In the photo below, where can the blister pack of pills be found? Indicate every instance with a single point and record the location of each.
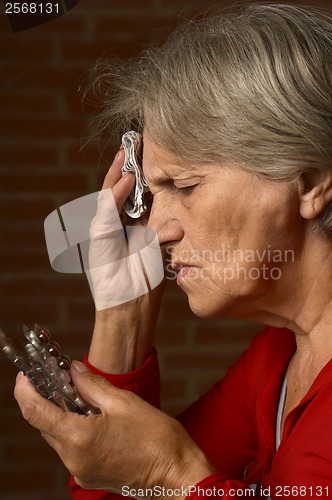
(47, 368)
(132, 145)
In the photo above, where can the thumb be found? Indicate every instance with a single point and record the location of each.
(93, 388)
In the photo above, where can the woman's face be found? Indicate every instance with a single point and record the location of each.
(232, 237)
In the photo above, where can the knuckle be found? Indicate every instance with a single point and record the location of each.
(80, 465)
(29, 411)
(121, 401)
(79, 442)
(79, 461)
(82, 440)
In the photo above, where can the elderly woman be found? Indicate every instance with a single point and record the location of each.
(236, 115)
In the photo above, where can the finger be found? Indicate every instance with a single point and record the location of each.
(41, 413)
(93, 388)
(110, 203)
(121, 185)
(107, 220)
(123, 188)
(114, 173)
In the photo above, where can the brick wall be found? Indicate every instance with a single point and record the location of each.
(42, 167)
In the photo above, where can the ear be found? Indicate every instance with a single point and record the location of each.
(315, 192)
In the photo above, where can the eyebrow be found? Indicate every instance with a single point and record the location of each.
(164, 180)
(158, 179)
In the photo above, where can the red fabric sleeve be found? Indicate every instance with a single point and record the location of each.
(144, 381)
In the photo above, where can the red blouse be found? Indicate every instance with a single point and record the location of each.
(235, 425)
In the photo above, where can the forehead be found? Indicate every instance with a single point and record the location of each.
(160, 164)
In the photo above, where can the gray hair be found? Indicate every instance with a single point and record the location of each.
(250, 85)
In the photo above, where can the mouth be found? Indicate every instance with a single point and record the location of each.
(177, 266)
(182, 269)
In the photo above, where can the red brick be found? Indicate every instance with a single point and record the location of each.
(203, 5)
(17, 103)
(74, 102)
(173, 291)
(73, 343)
(13, 424)
(199, 361)
(317, 3)
(143, 28)
(14, 237)
(17, 262)
(87, 156)
(198, 5)
(7, 399)
(204, 385)
(66, 25)
(16, 312)
(51, 182)
(173, 409)
(83, 49)
(62, 287)
(42, 128)
(37, 77)
(24, 48)
(91, 51)
(11, 481)
(173, 388)
(171, 335)
(116, 3)
(4, 22)
(32, 238)
(18, 453)
(176, 309)
(221, 333)
(81, 100)
(26, 210)
(82, 312)
(8, 371)
(29, 155)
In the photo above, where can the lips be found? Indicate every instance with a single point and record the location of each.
(177, 266)
(182, 269)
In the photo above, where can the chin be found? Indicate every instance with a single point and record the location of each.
(208, 304)
(203, 308)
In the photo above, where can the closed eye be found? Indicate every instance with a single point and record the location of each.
(186, 190)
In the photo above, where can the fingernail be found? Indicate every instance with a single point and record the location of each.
(19, 376)
(127, 174)
(79, 367)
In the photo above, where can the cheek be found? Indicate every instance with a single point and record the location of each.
(243, 212)
(211, 223)
(259, 218)
(237, 240)
(276, 222)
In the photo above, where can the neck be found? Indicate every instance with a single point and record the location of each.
(302, 301)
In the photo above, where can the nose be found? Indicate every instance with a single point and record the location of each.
(165, 221)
